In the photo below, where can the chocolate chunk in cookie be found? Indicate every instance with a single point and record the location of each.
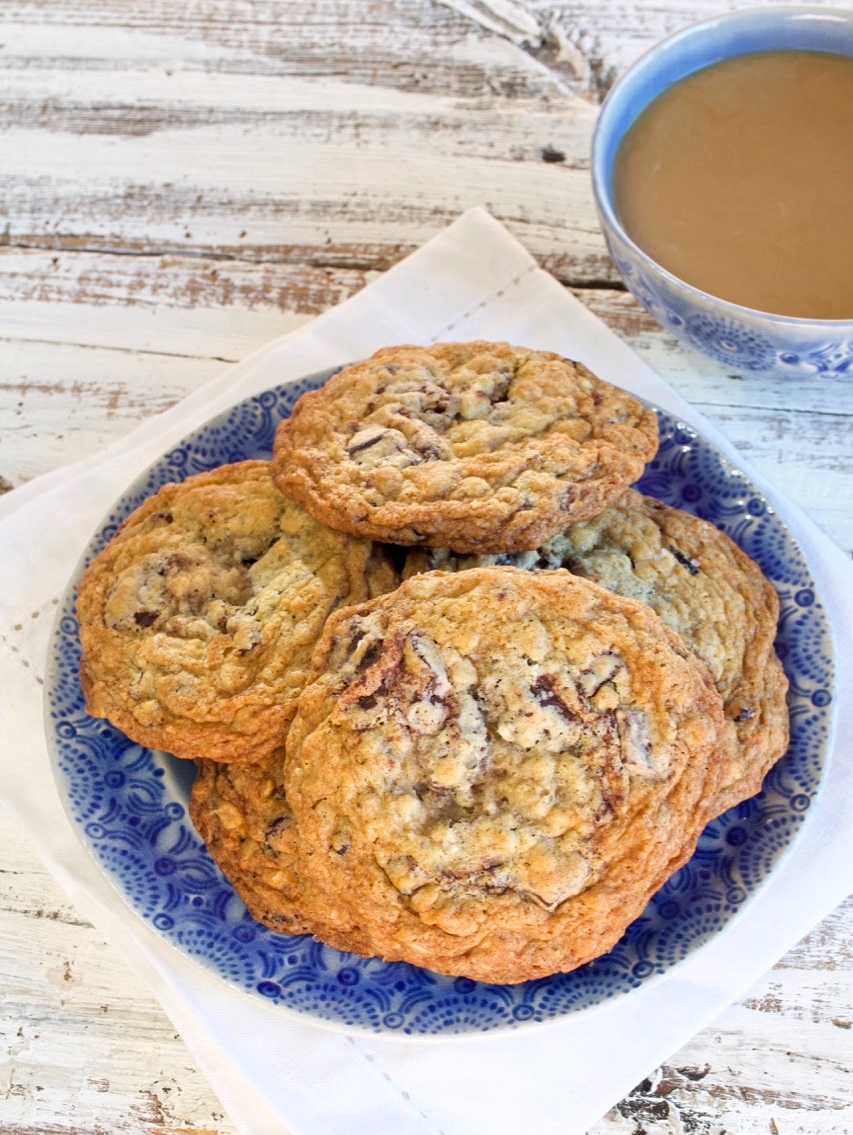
(704, 588)
(198, 618)
(479, 447)
(493, 770)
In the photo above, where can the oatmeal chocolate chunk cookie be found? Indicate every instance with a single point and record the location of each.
(705, 588)
(197, 620)
(493, 770)
(242, 815)
(479, 447)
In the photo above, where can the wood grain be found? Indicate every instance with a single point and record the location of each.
(183, 182)
(86, 1048)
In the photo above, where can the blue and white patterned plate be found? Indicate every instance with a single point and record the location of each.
(129, 804)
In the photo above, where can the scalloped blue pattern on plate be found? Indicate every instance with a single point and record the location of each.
(129, 804)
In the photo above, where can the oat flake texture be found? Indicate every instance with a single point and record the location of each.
(477, 447)
(492, 770)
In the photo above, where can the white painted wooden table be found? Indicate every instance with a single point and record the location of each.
(181, 183)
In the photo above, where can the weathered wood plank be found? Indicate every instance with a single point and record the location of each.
(289, 197)
(85, 1049)
(181, 306)
(164, 284)
(238, 160)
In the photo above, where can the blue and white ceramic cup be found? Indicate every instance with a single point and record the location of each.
(744, 339)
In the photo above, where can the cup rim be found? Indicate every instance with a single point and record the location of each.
(771, 17)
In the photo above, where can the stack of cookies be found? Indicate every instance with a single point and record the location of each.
(457, 694)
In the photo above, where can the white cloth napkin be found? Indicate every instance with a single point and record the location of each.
(277, 1073)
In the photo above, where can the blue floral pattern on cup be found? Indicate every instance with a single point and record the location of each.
(128, 804)
(741, 339)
